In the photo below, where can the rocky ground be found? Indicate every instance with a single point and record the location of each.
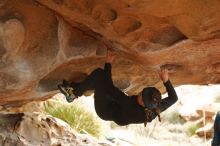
(35, 128)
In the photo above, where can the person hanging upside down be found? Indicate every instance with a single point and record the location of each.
(112, 104)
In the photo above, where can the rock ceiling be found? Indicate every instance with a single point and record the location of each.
(45, 41)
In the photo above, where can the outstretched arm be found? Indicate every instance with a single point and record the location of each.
(172, 96)
(108, 60)
(108, 73)
(108, 76)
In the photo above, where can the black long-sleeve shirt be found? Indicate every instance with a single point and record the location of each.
(130, 111)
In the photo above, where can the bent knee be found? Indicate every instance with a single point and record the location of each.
(99, 71)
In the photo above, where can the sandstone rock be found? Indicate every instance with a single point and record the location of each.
(208, 110)
(43, 42)
(204, 117)
(27, 129)
(206, 130)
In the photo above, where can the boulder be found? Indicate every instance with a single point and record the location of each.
(27, 129)
(43, 42)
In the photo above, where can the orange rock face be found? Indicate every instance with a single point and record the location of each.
(45, 41)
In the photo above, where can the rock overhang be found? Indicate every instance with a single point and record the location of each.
(45, 41)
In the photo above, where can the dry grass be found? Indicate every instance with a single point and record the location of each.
(172, 131)
(76, 116)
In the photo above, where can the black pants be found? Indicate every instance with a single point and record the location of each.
(106, 103)
(216, 138)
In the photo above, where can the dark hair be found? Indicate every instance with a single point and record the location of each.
(151, 96)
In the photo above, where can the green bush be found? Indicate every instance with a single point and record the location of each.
(192, 129)
(76, 116)
(174, 118)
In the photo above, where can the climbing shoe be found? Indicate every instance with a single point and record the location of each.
(67, 91)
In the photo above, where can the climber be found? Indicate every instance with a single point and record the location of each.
(216, 137)
(113, 105)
